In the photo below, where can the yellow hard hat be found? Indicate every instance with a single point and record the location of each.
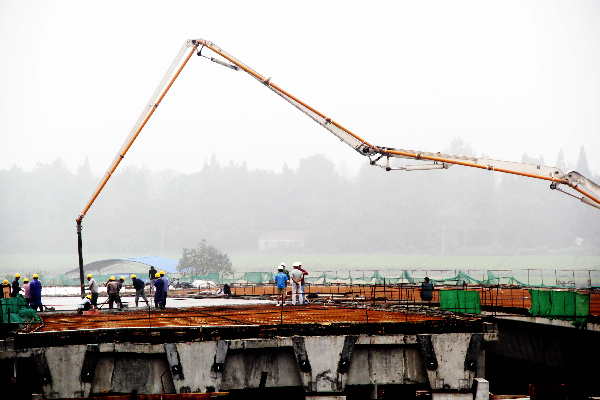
(35, 276)
(157, 275)
(25, 280)
(17, 275)
(122, 278)
(133, 276)
(162, 272)
(5, 282)
(112, 278)
(90, 275)
(89, 296)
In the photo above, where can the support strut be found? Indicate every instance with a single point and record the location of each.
(80, 253)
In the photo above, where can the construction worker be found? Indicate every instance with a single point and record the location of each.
(112, 289)
(85, 305)
(15, 286)
(5, 289)
(158, 291)
(93, 288)
(152, 273)
(303, 282)
(281, 280)
(35, 291)
(296, 280)
(139, 285)
(26, 292)
(285, 271)
(426, 290)
(165, 281)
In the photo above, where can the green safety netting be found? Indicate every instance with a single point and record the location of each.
(555, 304)
(464, 301)
(257, 277)
(409, 276)
(316, 278)
(14, 310)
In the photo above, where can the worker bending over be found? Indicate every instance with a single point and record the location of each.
(85, 305)
(139, 285)
(112, 289)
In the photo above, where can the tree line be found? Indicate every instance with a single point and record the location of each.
(454, 211)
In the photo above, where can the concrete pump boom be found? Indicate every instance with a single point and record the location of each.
(385, 157)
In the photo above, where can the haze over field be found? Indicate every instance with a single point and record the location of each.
(226, 160)
(262, 216)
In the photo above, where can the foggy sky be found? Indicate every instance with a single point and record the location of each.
(508, 77)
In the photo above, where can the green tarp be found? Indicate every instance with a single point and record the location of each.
(14, 310)
(464, 301)
(556, 304)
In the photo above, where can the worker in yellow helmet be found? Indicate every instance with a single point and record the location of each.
(112, 289)
(26, 293)
(15, 286)
(165, 283)
(93, 288)
(159, 291)
(35, 291)
(85, 305)
(139, 286)
(5, 286)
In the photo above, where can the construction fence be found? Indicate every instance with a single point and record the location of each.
(530, 277)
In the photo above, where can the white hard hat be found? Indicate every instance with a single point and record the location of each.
(297, 264)
(280, 268)
(282, 265)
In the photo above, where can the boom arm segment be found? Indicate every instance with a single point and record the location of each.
(384, 156)
(181, 59)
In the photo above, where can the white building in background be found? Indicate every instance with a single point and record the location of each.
(281, 240)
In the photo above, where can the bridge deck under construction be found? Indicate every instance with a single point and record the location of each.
(267, 315)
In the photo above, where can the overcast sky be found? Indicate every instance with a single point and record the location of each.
(509, 77)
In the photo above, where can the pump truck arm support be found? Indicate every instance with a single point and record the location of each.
(385, 157)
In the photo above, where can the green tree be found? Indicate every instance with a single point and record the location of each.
(203, 260)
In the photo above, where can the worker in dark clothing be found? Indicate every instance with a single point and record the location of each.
(426, 290)
(166, 284)
(85, 305)
(138, 285)
(112, 289)
(152, 276)
(159, 288)
(15, 286)
(152, 273)
(35, 291)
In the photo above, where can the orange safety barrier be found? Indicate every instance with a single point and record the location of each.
(501, 297)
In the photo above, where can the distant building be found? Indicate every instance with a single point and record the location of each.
(281, 240)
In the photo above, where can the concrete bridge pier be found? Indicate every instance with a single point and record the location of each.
(324, 367)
